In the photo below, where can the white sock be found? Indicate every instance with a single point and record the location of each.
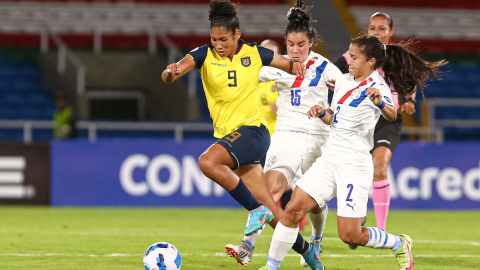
(282, 241)
(382, 239)
(318, 223)
(252, 239)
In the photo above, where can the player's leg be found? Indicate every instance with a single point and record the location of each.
(318, 217)
(279, 166)
(286, 232)
(242, 147)
(386, 138)
(381, 186)
(313, 189)
(352, 188)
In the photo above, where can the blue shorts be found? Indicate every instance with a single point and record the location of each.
(247, 145)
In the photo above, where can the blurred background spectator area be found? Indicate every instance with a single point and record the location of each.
(107, 56)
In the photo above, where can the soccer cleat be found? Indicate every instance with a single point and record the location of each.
(257, 219)
(263, 268)
(404, 254)
(315, 244)
(242, 253)
(363, 224)
(312, 258)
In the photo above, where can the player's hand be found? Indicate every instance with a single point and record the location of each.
(331, 84)
(173, 70)
(374, 95)
(299, 69)
(315, 111)
(408, 108)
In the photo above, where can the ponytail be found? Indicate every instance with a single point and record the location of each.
(403, 68)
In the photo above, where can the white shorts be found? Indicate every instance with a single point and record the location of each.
(290, 151)
(323, 181)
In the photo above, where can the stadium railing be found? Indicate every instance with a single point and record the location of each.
(64, 53)
(178, 128)
(433, 103)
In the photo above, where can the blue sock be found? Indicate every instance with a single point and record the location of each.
(286, 197)
(300, 246)
(244, 197)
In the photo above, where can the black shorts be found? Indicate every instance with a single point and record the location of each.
(387, 133)
(247, 145)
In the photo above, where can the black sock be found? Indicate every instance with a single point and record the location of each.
(244, 197)
(287, 195)
(300, 246)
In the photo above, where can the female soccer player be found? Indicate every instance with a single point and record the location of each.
(387, 133)
(297, 141)
(229, 68)
(345, 169)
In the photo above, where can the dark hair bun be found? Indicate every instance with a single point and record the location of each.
(297, 14)
(221, 9)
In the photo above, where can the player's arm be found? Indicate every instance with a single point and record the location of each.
(288, 65)
(176, 70)
(388, 111)
(318, 111)
(409, 106)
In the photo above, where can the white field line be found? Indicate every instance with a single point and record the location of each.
(113, 233)
(223, 255)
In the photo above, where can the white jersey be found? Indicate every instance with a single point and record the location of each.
(297, 95)
(352, 127)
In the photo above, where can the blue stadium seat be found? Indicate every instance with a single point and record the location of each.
(40, 99)
(15, 98)
(9, 112)
(24, 85)
(31, 113)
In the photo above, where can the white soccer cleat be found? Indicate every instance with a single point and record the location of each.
(242, 253)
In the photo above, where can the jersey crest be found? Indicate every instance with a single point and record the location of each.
(356, 94)
(310, 74)
(246, 61)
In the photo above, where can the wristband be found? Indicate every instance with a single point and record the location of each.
(323, 114)
(381, 106)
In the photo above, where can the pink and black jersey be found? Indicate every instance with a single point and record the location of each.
(353, 124)
(297, 95)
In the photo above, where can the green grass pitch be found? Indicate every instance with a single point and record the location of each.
(115, 238)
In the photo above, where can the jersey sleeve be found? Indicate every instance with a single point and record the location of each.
(266, 55)
(264, 75)
(199, 55)
(331, 72)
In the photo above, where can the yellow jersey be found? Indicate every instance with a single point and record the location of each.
(267, 93)
(231, 85)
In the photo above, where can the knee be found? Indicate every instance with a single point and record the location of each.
(349, 237)
(205, 163)
(294, 212)
(276, 189)
(380, 172)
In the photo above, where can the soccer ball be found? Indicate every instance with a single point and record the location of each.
(162, 256)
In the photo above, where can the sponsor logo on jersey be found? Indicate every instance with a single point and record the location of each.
(218, 64)
(246, 61)
(314, 59)
(271, 160)
(310, 73)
